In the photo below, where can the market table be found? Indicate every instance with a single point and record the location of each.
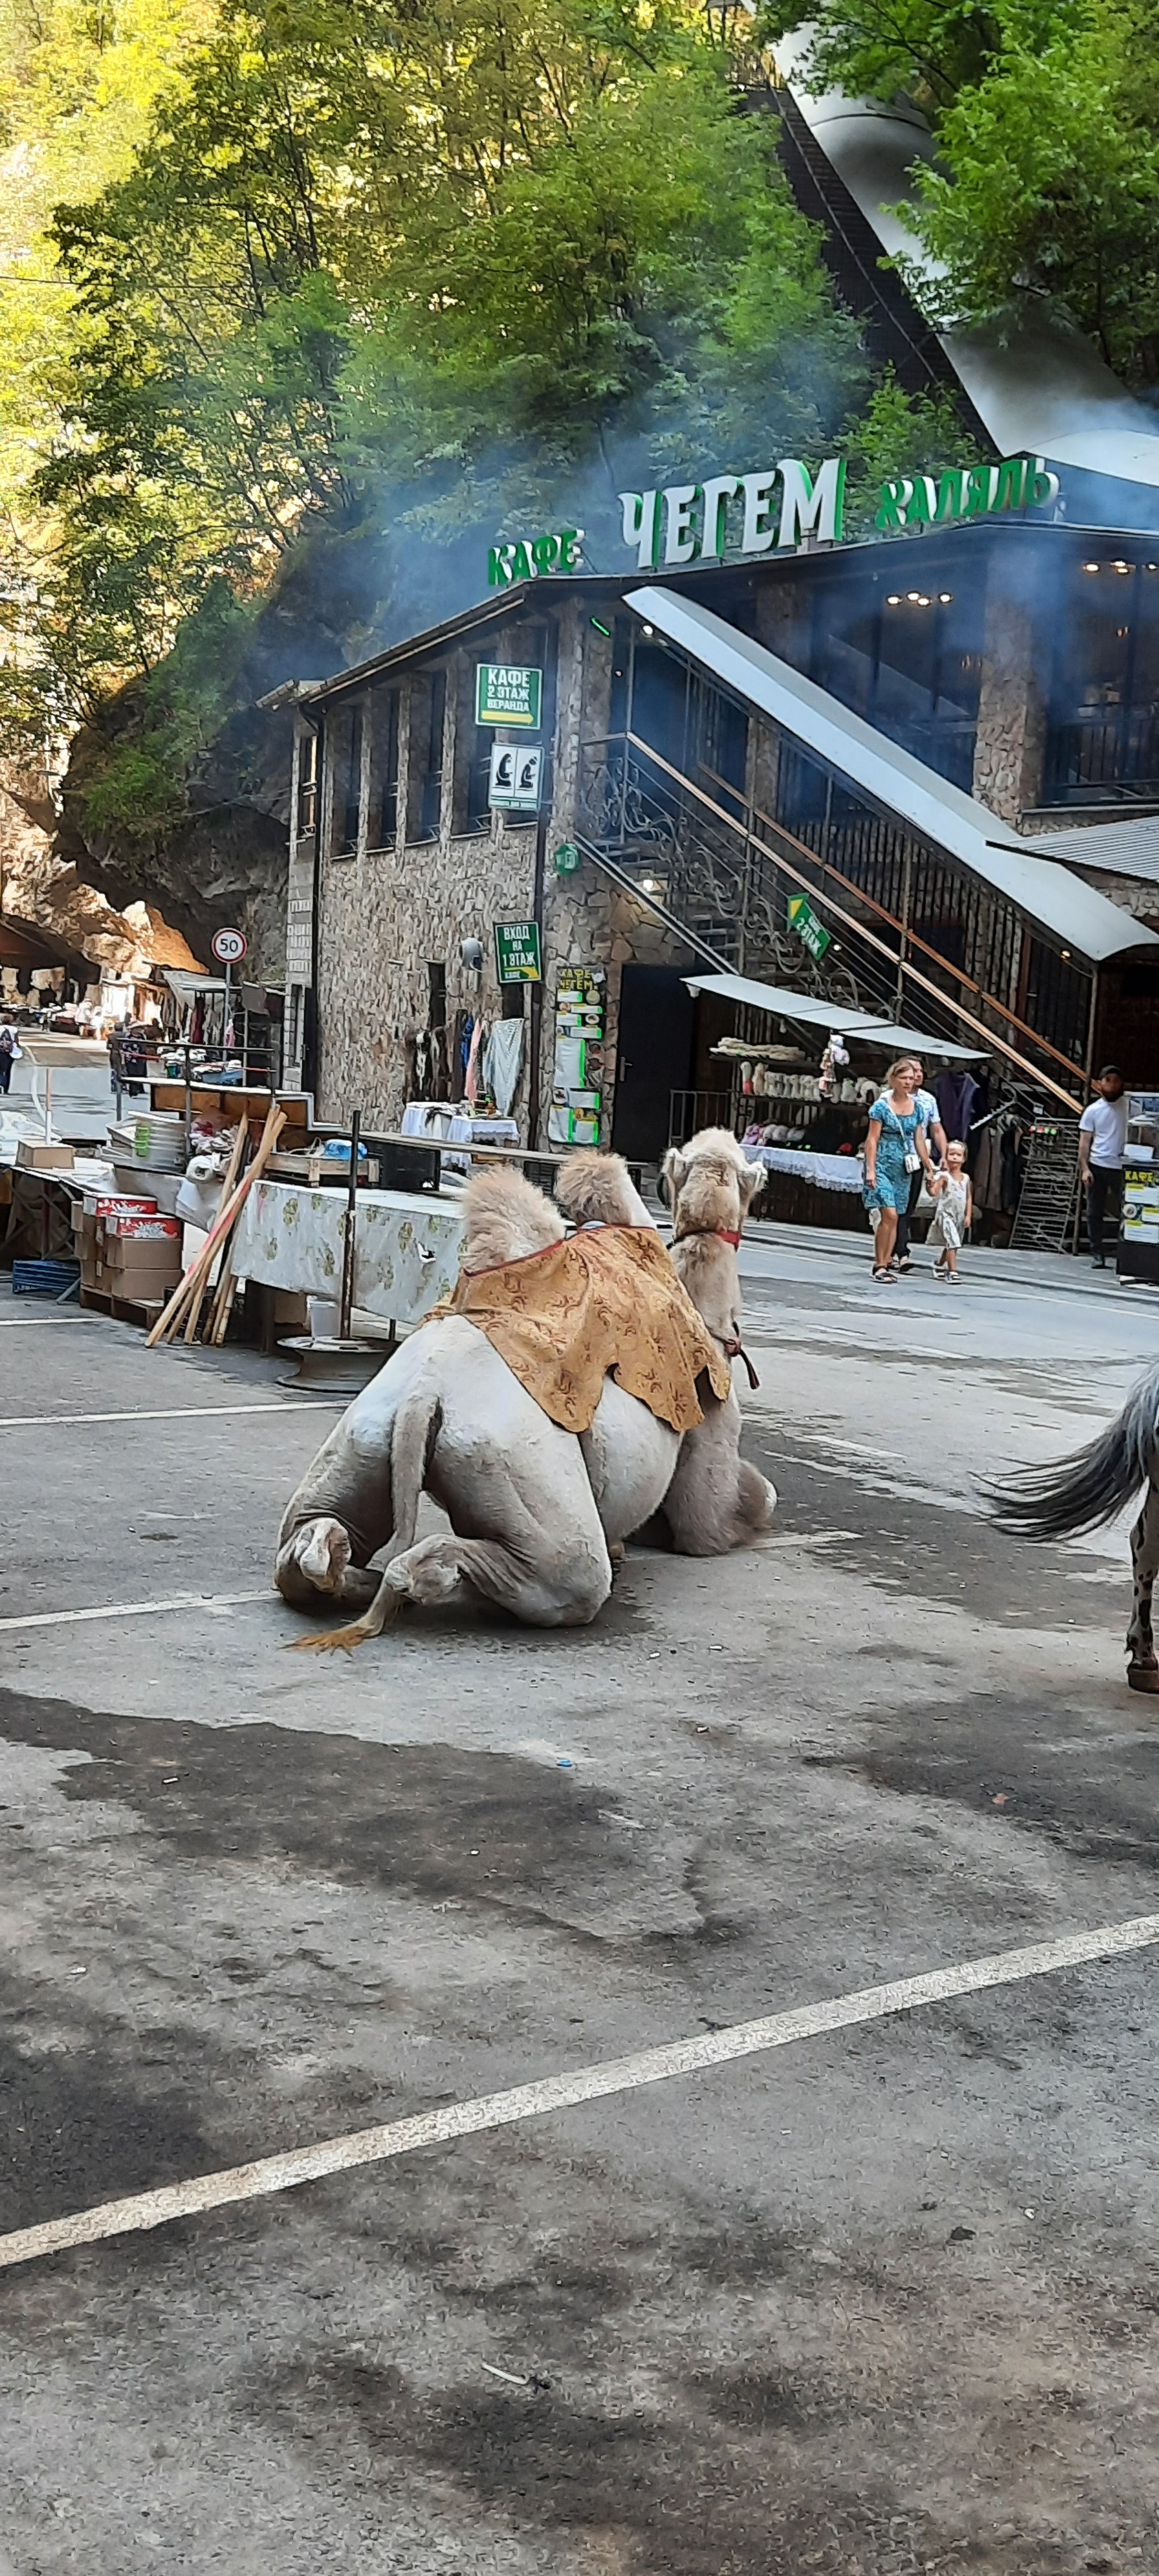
(406, 1246)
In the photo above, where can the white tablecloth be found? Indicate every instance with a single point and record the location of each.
(406, 1253)
(826, 1171)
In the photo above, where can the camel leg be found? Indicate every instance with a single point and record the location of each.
(1143, 1668)
(315, 1564)
(565, 1591)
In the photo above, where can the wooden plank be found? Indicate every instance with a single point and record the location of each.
(230, 1101)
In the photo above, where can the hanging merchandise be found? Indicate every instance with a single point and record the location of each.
(578, 1074)
(836, 1055)
(471, 1077)
(746, 1078)
(503, 1063)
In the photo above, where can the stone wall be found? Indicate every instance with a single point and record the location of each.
(1010, 742)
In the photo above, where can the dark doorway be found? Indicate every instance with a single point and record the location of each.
(654, 1058)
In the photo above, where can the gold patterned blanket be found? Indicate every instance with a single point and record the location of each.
(606, 1299)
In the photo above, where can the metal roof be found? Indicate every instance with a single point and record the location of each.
(1074, 913)
(829, 1016)
(1123, 849)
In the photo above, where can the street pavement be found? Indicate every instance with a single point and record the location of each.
(881, 2300)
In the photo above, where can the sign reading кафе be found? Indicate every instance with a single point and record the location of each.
(746, 515)
(508, 693)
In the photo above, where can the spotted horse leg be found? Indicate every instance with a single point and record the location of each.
(1143, 1668)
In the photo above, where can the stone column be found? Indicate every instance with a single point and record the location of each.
(1010, 742)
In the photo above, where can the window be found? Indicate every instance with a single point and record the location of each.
(348, 785)
(388, 713)
(308, 782)
(431, 794)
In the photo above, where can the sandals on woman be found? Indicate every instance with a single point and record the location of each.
(883, 1271)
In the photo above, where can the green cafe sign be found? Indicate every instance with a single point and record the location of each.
(965, 492)
(744, 516)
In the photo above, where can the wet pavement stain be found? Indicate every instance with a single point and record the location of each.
(428, 1821)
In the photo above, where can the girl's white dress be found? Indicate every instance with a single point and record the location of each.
(950, 1202)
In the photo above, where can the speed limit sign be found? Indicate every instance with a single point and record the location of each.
(228, 947)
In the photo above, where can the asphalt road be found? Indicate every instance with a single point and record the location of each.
(881, 2301)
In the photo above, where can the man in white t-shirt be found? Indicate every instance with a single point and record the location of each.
(1102, 1151)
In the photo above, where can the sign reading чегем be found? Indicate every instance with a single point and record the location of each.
(697, 522)
(508, 693)
(517, 954)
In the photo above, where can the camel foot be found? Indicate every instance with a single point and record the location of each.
(378, 1617)
(1143, 1677)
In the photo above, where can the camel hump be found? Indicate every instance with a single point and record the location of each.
(506, 1218)
(596, 1189)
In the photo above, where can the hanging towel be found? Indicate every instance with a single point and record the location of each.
(503, 1063)
(471, 1077)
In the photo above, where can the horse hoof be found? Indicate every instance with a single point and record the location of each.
(1143, 1677)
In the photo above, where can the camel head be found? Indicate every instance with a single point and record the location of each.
(710, 1185)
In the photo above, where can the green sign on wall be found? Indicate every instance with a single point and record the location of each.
(810, 931)
(508, 693)
(517, 957)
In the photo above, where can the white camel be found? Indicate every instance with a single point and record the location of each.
(534, 1509)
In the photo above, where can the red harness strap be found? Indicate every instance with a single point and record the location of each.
(723, 1236)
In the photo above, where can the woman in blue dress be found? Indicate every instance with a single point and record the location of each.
(894, 1147)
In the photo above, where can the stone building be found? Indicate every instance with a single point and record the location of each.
(891, 741)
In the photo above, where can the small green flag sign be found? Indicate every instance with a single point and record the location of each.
(508, 693)
(567, 858)
(810, 931)
(517, 954)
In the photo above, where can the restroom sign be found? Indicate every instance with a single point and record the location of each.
(516, 772)
(508, 693)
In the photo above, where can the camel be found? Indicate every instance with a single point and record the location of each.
(1091, 1487)
(535, 1510)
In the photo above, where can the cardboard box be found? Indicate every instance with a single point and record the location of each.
(118, 1203)
(148, 1269)
(131, 1226)
(43, 1158)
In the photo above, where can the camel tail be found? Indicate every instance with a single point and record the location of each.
(416, 1428)
(1090, 1487)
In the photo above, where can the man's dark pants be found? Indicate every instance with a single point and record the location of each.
(901, 1244)
(1106, 1191)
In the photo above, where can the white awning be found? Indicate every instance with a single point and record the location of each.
(829, 1016)
(1074, 913)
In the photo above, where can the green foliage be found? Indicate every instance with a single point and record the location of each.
(1046, 114)
(900, 433)
(1054, 159)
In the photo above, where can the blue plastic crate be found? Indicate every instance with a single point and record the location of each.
(44, 1278)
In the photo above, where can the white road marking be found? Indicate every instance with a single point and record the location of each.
(297, 2165)
(139, 1609)
(20, 1323)
(169, 1413)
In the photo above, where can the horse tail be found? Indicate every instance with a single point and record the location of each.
(1091, 1486)
(416, 1428)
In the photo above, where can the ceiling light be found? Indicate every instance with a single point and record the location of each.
(894, 599)
(1090, 567)
(1122, 567)
(1064, 953)
(649, 630)
(647, 885)
(915, 595)
(945, 596)
(923, 599)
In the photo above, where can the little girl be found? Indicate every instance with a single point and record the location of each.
(953, 1209)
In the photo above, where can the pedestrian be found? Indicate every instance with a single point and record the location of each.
(953, 1210)
(895, 1148)
(9, 1051)
(937, 1136)
(1102, 1153)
